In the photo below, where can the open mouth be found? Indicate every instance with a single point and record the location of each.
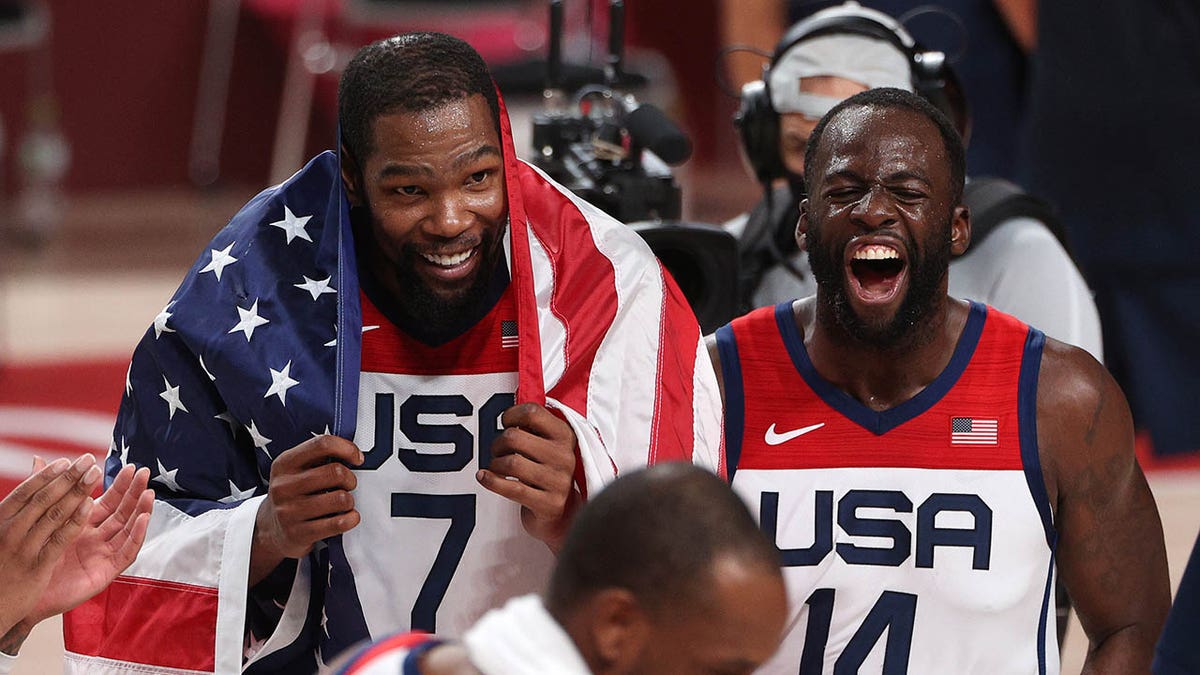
(876, 271)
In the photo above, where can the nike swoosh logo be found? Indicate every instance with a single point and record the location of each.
(773, 438)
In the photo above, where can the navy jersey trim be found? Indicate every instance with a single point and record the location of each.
(881, 422)
(735, 398)
(1047, 597)
(1031, 363)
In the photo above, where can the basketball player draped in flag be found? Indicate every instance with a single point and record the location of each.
(925, 464)
(454, 361)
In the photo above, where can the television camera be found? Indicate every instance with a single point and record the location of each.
(617, 153)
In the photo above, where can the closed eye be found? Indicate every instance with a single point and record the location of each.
(843, 193)
(908, 195)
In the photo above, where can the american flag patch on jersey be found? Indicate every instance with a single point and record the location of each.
(508, 334)
(972, 431)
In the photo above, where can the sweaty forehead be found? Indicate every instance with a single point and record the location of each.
(867, 137)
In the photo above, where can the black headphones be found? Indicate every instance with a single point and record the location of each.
(758, 122)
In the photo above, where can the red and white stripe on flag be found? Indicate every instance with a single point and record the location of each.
(973, 431)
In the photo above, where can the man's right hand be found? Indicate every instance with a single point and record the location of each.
(308, 499)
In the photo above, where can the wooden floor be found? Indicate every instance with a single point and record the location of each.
(93, 286)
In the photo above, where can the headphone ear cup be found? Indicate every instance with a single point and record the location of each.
(758, 129)
(935, 81)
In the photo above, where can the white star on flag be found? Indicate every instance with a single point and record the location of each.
(124, 452)
(171, 396)
(315, 287)
(255, 645)
(128, 384)
(220, 260)
(237, 494)
(160, 322)
(323, 433)
(281, 381)
(292, 225)
(167, 478)
(249, 320)
(260, 441)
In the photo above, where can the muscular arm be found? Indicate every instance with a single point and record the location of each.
(1110, 543)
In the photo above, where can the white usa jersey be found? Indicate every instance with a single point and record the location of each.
(914, 540)
(435, 550)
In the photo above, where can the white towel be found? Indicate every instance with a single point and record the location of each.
(522, 638)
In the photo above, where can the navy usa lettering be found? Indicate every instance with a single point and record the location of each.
(928, 537)
(457, 435)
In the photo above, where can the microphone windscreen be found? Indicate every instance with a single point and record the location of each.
(650, 128)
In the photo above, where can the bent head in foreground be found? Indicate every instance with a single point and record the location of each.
(665, 571)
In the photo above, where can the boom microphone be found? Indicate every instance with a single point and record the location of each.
(650, 128)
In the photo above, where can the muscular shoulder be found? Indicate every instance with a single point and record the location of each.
(1082, 416)
(803, 309)
(1073, 387)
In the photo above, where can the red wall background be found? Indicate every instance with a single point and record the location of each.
(125, 75)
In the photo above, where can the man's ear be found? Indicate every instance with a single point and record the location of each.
(351, 178)
(620, 629)
(802, 226)
(960, 230)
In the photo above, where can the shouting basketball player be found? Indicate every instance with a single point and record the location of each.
(925, 464)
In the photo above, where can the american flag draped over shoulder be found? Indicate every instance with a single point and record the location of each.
(258, 350)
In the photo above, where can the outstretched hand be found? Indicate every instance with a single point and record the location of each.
(533, 464)
(39, 519)
(109, 543)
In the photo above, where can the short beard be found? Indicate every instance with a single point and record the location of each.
(418, 304)
(439, 313)
(927, 273)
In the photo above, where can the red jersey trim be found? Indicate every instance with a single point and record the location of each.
(483, 348)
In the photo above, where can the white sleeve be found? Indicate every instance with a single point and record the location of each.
(1022, 269)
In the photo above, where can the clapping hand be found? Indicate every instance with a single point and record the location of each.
(58, 548)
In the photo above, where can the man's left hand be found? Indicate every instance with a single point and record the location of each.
(533, 464)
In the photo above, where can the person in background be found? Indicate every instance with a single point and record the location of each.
(665, 571)
(1112, 142)
(1178, 651)
(58, 547)
(987, 42)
